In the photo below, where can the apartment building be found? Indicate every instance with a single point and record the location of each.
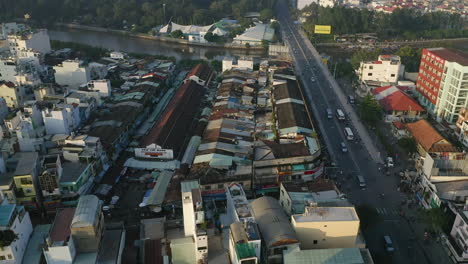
(457, 241)
(461, 131)
(22, 42)
(194, 217)
(327, 227)
(237, 63)
(13, 94)
(14, 219)
(442, 83)
(72, 73)
(385, 70)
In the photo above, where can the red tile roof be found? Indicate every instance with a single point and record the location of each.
(393, 99)
(426, 136)
(60, 230)
(399, 125)
(9, 84)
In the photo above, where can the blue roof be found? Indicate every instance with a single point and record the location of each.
(6, 211)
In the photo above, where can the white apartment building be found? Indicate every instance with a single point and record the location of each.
(453, 92)
(72, 73)
(327, 3)
(386, 69)
(17, 220)
(194, 216)
(61, 119)
(102, 86)
(327, 227)
(19, 72)
(30, 130)
(244, 63)
(29, 40)
(13, 94)
(300, 4)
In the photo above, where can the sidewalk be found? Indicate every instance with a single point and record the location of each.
(433, 247)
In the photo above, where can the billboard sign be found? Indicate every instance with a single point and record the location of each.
(154, 151)
(322, 29)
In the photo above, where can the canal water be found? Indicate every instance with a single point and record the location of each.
(128, 44)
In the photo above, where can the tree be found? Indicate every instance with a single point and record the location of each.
(364, 55)
(410, 57)
(7, 237)
(177, 34)
(408, 144)
(217, 65)
(266, 14)
(370, 110)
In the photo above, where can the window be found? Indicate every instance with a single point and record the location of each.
(208, 187)
(392, 75)
(26, 181)
(369, 74)
(371, 67)
(315, 242)
(2, 258)
(10, 256)
(221, 186)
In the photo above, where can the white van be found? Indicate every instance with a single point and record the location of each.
(340, 114)
(362, 182)
(348, 133)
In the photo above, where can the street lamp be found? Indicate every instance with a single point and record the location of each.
(164, 13)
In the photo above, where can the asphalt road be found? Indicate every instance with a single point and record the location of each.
(319, 90)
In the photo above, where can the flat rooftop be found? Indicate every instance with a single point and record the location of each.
(60, 230)
(320, 214)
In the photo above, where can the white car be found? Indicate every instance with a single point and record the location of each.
(390, 162)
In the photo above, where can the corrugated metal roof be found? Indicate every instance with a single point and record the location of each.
(160, 188)
(87, 211)
(6, 211)
(152, 165)
(272, 221)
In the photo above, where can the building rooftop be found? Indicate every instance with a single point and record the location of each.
(60, 230)
(240, 201)
(72, 170)
(152, 228)
(272, 221)
(325, 256)
(26, 163)
(6, 211)
(451, 55)
(34, 252)
(183, 250)
(320, 214)
(427, 136)
(393, 99)
(292, 115)
(188, 186)
(245, 250)
(159, 191)
(87, 211)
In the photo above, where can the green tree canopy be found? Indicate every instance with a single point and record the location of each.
(266, 14)
(370, 110)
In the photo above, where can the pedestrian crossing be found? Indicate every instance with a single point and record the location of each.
(387, 211)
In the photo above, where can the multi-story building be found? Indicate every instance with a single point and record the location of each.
(102, 86)
(457, 241)
(49, 181)
(23, 42)
(60, 246)
(72, 73)
(88, 224)
(76, 181)
(19, 72)
(61, 118)
(10, 28)
(442, 83)
(244, 237)
(462, 126)
(26, 179)
(13, 94)
(14, 219)
(194, 217)
(385, 70)
(327, 227)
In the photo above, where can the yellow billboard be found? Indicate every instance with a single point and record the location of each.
(322, 29)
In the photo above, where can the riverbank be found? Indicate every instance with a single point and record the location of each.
(157, 38)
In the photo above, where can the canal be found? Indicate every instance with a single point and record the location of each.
(128, 44)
